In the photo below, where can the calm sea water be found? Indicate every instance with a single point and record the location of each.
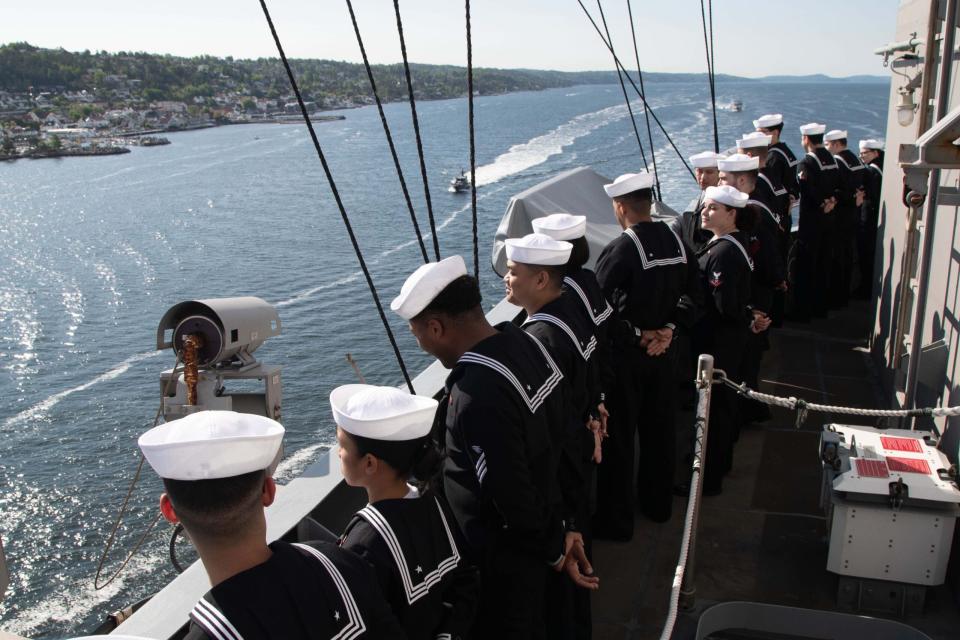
(94, 250)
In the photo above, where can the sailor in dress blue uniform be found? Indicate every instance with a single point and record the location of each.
(582, 291)
(534, 280)
(216, 471)
(500, 401)
(687, 224)
(580, 286)
(849, 199)
(650, 278)
(411, 540)
(775, 197)
(780, 159)
(871, 154)
(741, 172)
(722, 330)
(819, 179)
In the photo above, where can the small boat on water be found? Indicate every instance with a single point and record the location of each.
(736, 106)
(460, 183)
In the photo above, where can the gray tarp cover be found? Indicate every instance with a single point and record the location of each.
(577, 191)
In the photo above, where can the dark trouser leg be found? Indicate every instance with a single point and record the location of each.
(615, 499)
(512, 597)
(656, 421)
(822, 274)
(751, 410)
(807, 257)
(843, 259)
(728, 355)
(866, 251)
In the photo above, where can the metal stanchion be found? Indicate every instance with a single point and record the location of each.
(688, 588)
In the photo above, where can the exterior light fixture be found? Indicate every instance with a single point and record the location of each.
(906, 107)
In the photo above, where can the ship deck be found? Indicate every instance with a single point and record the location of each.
(764, 538)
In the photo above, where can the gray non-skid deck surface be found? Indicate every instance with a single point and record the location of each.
(764, 538)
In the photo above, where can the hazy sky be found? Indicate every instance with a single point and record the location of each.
(835, 37)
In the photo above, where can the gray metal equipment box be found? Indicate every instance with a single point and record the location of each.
(891, 506)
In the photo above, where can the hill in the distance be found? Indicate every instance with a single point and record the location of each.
(129, 76)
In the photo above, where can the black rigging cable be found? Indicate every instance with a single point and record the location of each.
(709, 49)
(646, 105)
(646, 112)
(623, 87)
(336, 196)
(416, 130)
(473, 149)
(386, 130)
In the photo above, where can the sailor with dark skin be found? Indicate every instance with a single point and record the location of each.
(819, 179)
(871, 154)
(409, 538)
(687, 224)
(727, 321)
(502, 397)
(849, 200)
(650, 278)
(215, 467)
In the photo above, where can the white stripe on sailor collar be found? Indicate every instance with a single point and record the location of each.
(790, 162)
(413, 592)
(776, 192)
(537, 399)
(773, 216)
(213, 622)
(856, 167)
(737, 244)
(585, 351)
(597, 319)
(660, 262)
(823, 167)
(355, 624)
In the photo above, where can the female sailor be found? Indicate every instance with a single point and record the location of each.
(723, 330)
(410, 539)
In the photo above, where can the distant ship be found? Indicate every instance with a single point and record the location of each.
(460, 183)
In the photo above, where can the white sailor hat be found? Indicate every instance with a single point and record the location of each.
(726, 195)
(767, 121)
(739, 162)
(537, 248)
(875, 145)
(212, 444)
(705, 160)
(561, 226)
(425, 284)
(753, 140)
(628, 183)
(812, 129)
(382, 413)
(834, 134)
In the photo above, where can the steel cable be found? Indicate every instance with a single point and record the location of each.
(473, 149)
(646, 105)
(386, 130)
(708, 47)
(416, 130)
(336, 196)
(623, 87)
(646, 112)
